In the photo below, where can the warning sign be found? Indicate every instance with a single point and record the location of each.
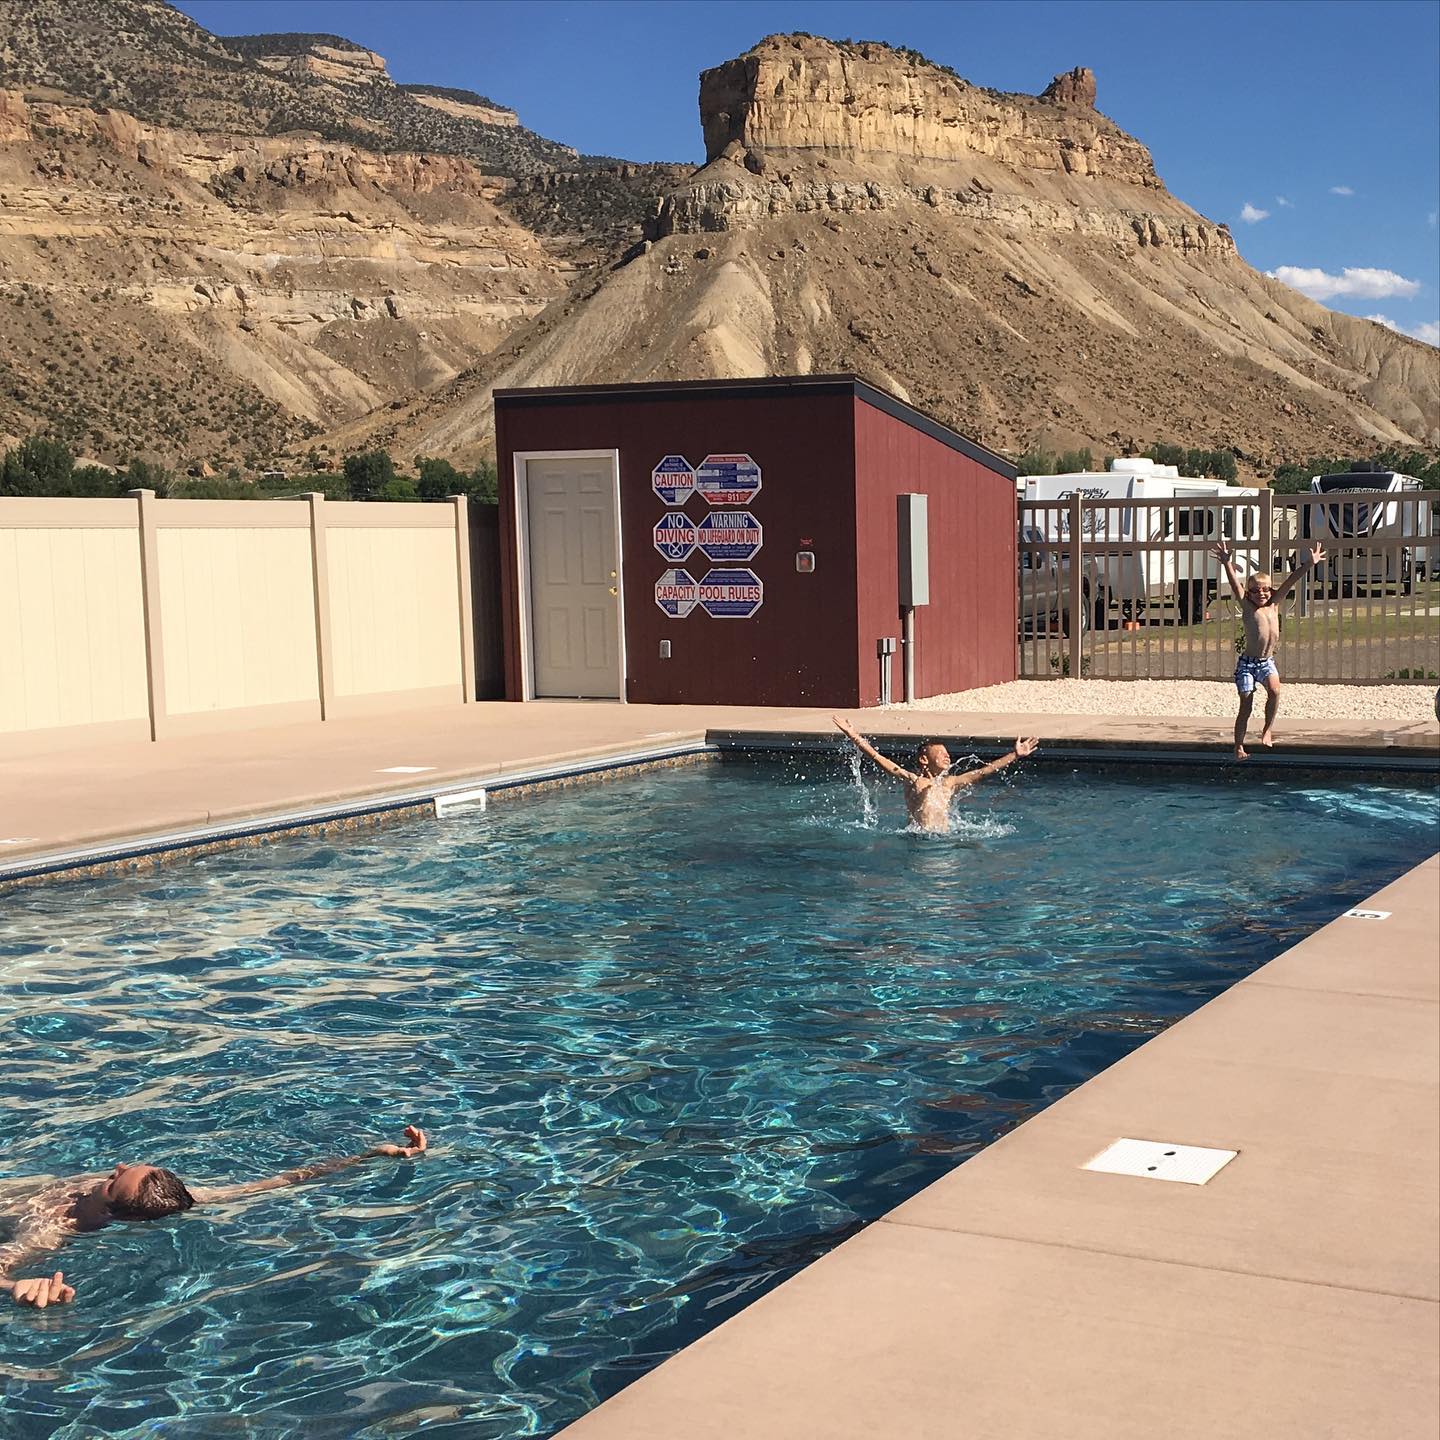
(731, 594)
(727, 479)
(675, 536)
(673, 479)
(729, 535)
(676, 593)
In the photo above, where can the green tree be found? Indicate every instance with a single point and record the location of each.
(368, 474)
(485, 483)
(439, 478)
(38, 466)
(399, 487)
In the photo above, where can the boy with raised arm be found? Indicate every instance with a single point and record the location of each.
(1260, 610)
(928, 792)
(51, 1215)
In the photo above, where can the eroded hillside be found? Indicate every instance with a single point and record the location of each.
(1011, 263)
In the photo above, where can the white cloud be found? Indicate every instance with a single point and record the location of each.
(1341, 190)
(1250, 215)
(1427, 330)
(1363, 283)
(1283, 203)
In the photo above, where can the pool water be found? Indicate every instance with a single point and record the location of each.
(673, 1036)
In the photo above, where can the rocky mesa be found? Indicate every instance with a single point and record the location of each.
(1011, 263)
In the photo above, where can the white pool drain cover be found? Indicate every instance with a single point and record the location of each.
(1366, 915)
(1160, 1160)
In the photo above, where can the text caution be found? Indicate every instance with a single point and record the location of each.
(675, 536)
(677, 594)
(731, 594)
(673, 479)
(727, 479)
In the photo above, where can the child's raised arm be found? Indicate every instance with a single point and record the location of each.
(1221, 551)
(866, 748)
(1317, 555)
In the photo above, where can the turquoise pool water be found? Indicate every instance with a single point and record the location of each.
(673, 1036)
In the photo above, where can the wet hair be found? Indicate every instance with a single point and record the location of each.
(927, 745)
(160, 1193)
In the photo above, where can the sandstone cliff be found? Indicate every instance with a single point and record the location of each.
(288, 282)
(1011, 263)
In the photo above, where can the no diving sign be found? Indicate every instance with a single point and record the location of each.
(676, 593)
(675, 535)
(731, 594)
(729, 535)
(673, 479)
(727, 479)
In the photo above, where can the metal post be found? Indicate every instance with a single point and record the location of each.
(908, 641)
(1077, 585)
(885, 649)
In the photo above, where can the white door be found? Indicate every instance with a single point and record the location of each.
(574, 577)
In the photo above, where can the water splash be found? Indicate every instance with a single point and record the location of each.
(868, 816)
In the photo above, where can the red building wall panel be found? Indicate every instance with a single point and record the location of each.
(800, 647)
(965, 637)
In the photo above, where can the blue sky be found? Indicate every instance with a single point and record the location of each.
(1311, 126)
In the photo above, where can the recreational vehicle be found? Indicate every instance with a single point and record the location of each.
(1353, 519)
(1136, 553)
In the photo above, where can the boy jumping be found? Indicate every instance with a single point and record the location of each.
(928, 794)
(1260, 610)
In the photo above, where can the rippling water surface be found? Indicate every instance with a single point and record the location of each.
(672, 1036)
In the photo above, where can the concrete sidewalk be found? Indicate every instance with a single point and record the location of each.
(68, 799)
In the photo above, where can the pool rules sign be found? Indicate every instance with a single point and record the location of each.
(729, 537)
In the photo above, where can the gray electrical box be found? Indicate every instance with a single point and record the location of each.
(913, 532)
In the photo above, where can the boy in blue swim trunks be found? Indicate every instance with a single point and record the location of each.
(1260, 610)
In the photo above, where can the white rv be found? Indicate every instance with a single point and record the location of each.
(1352, 522)
(1126, 568)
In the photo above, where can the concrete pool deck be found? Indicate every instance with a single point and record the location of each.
(67, 799)
(1295, 1295)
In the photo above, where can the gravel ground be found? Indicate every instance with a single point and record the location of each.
(1399, 704)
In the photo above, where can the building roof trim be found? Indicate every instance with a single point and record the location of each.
(768, 387)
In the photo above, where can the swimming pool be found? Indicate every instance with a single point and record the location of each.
(672, 1036)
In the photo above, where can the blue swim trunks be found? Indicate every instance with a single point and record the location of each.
(1250, 673)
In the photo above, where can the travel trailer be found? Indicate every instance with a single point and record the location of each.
(1126, 567)
(1347, 524)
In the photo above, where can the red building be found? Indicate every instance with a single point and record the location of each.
(735, 542)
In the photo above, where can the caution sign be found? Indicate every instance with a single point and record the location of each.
(676, 593)
(675, 536)
(727, 479)
(729, 535)
(673, 480)
(731, 594)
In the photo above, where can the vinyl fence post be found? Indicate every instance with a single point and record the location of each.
(320, 579)
(467, 601)
(150, 603)
(1077, 585)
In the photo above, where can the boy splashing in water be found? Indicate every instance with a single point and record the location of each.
(928, 793)
(1260, 610)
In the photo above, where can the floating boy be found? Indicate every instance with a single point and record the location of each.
(52, 1215)
(928, 793)
(1260, 610)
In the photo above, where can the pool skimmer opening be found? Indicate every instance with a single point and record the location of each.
(458, 800)
(1161, 1160)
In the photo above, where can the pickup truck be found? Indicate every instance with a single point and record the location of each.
(1045, 588)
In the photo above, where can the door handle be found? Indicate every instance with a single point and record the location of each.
(613, 590)
(612, 574)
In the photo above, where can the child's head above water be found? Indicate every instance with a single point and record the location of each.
(934, 758)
